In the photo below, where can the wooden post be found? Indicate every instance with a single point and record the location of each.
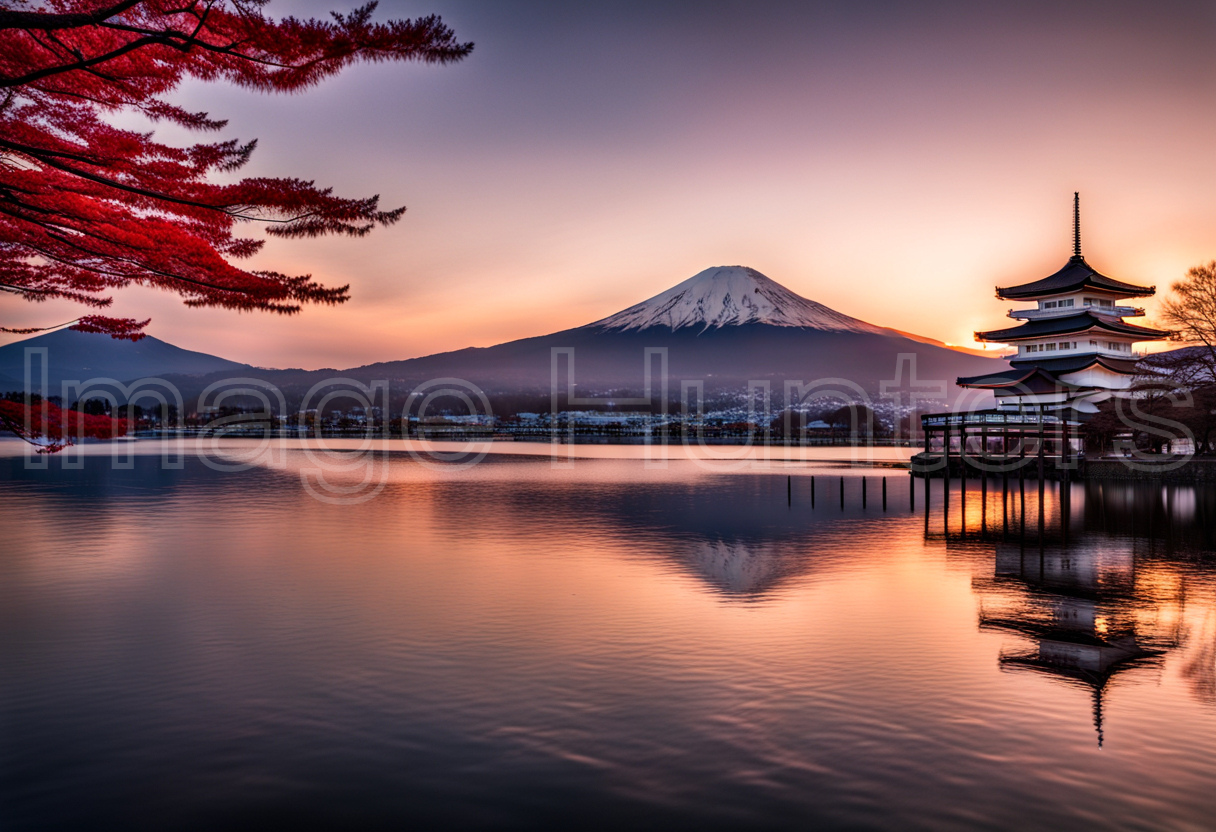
(863, 492)
(984, 448)
(926, 506)
(962, 500)
(962, 483)
(1042, 510)
(1022, 508)
(962, 448)
(946, 503)
(1005, 502)
(1169, 519)
(1042, 450)
(842, 493)
(946, 448)
(884, 494)
(1042, 472)
(1065, 508)
(789, 490)
(1022, 455)
(946, 475)
(983, 502)
(812, 492)
(984, 478)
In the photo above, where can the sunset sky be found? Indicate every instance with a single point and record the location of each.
(893, 163)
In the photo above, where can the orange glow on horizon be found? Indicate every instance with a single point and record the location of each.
(871, 174)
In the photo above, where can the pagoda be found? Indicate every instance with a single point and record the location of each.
(1074, 349)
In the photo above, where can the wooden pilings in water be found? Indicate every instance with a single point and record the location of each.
(1050, 521)
(884, 486)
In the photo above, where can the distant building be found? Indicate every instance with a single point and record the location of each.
(1074, 349)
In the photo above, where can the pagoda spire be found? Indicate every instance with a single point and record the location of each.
(1076, 224)
(1098, 711)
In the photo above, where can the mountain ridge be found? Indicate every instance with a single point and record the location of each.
(723, 328)
(79, 356)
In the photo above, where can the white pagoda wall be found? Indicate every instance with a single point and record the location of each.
(1098, 377)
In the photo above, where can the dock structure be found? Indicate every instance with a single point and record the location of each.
(991, 443)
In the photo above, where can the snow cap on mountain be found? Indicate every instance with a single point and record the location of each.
(732, 296)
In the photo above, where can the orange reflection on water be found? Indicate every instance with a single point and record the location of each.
(706, 639)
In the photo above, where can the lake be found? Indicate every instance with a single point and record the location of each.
(229, 635)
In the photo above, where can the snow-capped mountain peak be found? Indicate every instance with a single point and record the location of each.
(732, 296)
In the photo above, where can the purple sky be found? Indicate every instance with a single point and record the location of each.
(890, 162)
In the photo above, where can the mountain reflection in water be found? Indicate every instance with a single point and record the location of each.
(608, 644)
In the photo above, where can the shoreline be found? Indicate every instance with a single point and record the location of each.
(1145, 468)
(852, 456)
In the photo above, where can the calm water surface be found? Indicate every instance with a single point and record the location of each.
(609, 642)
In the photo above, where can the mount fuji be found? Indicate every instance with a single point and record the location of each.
(724, 327)
(731, 296)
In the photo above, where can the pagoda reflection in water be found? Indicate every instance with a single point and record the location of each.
(1080, 611)
(1092, 581)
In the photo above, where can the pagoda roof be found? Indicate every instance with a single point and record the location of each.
(1076, 363)
(1110, 660)
(1076, 276)
(1068, 324)
(1043, 375)
(1028, 380)
(1053, 631)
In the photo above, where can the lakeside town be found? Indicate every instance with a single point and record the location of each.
(883, 423)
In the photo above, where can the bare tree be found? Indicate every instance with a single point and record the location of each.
(1191, 314)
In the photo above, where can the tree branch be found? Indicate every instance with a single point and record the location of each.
(46, 22)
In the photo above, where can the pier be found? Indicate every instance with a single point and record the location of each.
(1033, 445)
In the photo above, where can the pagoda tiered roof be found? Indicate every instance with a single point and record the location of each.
(1036, 378)
(1076, 276)
(1068, 324)
(1038, 375)
(1077, 363)
(1030, 380)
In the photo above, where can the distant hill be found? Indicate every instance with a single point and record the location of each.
(80, 356)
